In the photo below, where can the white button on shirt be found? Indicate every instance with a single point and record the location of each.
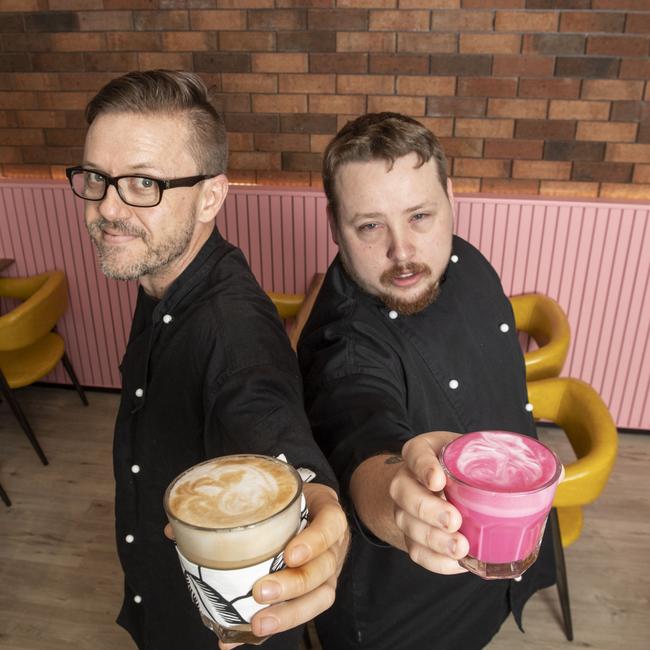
(392, 314)
(454, 258)
(529, 407)
(504, 327)
(137, 599)
(167, 318)
(129, 539)
(135, 468)
(453, 384)
(139, 392)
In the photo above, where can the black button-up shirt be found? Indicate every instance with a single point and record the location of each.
(373, 380)
(208, 371)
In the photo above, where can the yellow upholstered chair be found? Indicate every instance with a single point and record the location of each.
(576, 408)
(542, 319)
(29, 349)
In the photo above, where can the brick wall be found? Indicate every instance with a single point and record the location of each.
(544, 97)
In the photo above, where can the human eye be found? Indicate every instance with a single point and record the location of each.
(367, 227)
(141, 184)
(419, 216)
(93, 179)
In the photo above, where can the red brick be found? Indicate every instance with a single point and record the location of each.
(635, 69)
(318, 143)
(618, 45)
(110, 61)
(277, 19)
(217, 20)
(26, 171)
(246, 41)
(428, 43)
(464, 20)
(249, 83)
(133, 41)
(636, 153)
(634, 5)
(23, 5)
(549, 88)
(104, 21)
(591, 21)
(466, 185)
(65, 137)
(442, 127)
(17, 100)
(232, 102)
(240, 142)
(76, 42)
(610, 89)
(541, 169)
(514, 149)
(631, 112)
(486, 87)
(281, 142)
(461, 64)
(298, 162)
(365, 42)
(425, 85)
(625, 191)
(580, 110)
(50, 21)
(306, 41)
(568, 189)
(574, 150)
(308, 124)
(558, 4)
(463, 147)
(64, 100)
(429, 4)
(638, 23)
(413, 106)
(366, 4)
(191, 41)
(496, 4)
(525, 66)
(404, 21)
(237, 176)
(343, 63)
(526, 21)
(252, 4)
(134, 4)
(10, 155)
(251, 160)
(556, 129)
(399, 64)
(607, 132)
(342, 104)
(21, 136)
(26, 42)
(554, 43)
(279, 62)
(586, 66)
(168, 61)
(517, 186)
(37, 155)
(41, 119)
(307, 83)
(250, 123)
(483, 168)
(602, 171)
(490, 43)
(641, 173)
(15, 63)
(283, 178)
(161, 20)
(279, 103)
(365, 84)
(338, 19)
(36, 81)
(522, 108)
(484, 128)
(462, 106)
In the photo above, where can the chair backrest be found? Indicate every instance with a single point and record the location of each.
(287, 304)
(545, 321)
(578, 409)
(44, 300)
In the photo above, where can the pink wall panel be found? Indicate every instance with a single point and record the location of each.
(593, 258)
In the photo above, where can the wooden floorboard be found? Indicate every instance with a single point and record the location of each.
(61, 583)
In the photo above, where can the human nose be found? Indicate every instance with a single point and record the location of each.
(400, 247)
(112, 207)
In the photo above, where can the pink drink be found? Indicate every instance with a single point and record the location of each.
(503, 485)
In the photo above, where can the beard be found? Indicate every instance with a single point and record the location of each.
(117, 264)
(403, 306)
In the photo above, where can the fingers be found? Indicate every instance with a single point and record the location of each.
(169, 532)
(327, 529)
(287, 615)
(433, 561)
(421, 455)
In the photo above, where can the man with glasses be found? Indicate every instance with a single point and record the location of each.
(208, 369)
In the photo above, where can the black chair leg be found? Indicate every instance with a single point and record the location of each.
(560, 576)
(20, 416)
(5, 496)
(71, 373)
(306, 638)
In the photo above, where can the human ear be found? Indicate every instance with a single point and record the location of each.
(213, 195)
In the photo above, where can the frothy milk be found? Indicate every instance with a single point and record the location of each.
(234, 511)
(503, 485)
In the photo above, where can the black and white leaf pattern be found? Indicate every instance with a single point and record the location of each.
(223, 607)
(278, 563)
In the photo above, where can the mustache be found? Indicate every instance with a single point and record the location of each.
(389, 275)
(124, 227)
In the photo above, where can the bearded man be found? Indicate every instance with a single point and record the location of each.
(208, 369)
(410, 338)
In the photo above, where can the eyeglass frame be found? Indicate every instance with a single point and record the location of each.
(186, 181)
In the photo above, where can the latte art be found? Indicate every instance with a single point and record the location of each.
(225, 494)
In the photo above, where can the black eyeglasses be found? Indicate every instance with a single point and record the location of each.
(137, 191)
